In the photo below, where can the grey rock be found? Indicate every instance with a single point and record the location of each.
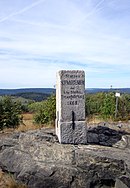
(122, 182)
(73, 136)
(38, 160)
(93, 138)
(124, 142)
(106, 136)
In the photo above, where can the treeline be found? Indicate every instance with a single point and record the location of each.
(103, 105)
(27, 90)
(33, 96)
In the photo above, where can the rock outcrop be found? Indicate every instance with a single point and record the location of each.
(38, 160)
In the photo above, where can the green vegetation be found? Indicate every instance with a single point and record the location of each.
(93, 103)
(104, 105)
(10, 113)
(45, 111)
(27, 90)
(108, 106)
(101, 105)
(33, 96)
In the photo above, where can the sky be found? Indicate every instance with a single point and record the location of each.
(40, 37)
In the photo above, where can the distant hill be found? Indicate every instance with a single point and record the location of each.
(26, 90)
(33, 96)
(39, 91)
(97, 90)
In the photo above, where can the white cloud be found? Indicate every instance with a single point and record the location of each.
(44, 36)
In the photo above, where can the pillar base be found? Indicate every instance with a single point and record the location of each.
(72, 134)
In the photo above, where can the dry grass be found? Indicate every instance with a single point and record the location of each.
(96, 119)
(28, 123)
(27, 116)
(7, 181)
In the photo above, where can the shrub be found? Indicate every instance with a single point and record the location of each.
(94, 103)
(45, 111)
(103, 105)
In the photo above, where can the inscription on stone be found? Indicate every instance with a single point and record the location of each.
(72, 95)
(70, 102)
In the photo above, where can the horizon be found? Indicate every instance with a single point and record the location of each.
(55, 88)
(38, 38)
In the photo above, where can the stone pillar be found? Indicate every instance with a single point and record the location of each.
(70, 107)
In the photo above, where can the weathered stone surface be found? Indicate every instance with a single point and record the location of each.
(70, 95)
(104, 136)
(122, 182)
(93, 138)
(75, 135)
(70, 107)
(37, 159)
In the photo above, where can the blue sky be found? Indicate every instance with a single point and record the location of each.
(40, 37)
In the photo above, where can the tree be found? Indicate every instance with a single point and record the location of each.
(10, 113)
(108, 108)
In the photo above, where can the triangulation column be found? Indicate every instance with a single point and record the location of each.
(70, 107)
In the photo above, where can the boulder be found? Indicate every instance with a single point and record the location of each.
(37, 159)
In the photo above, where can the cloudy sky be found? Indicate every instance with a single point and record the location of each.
(40, 37)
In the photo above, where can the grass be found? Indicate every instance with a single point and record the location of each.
(28, 123)
(7, 181)
(94, 119)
